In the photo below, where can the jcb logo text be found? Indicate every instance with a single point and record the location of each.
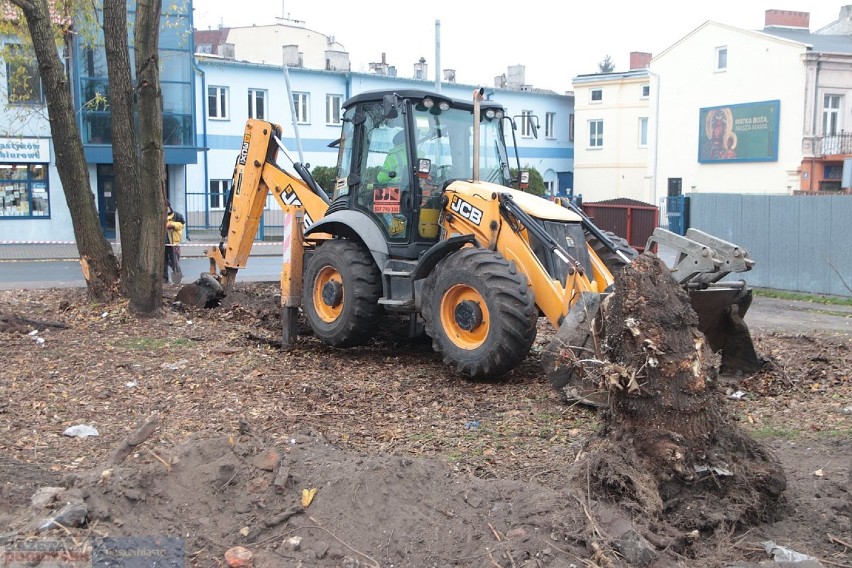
(244, 149)
(466, 210)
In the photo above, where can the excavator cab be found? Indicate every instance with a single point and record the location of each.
(398, 152)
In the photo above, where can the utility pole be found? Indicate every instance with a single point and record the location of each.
(437, 56)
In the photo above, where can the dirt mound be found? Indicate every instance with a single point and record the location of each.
(412, 466)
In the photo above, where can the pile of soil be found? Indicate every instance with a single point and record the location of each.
(412, 465)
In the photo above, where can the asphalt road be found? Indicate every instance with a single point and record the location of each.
(766, 314)
(39, 274)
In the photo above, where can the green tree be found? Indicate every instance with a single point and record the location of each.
(606, 66)
(325, 177)
(536, 185)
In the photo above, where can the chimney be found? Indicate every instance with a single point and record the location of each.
(787, 19)
(639, 60)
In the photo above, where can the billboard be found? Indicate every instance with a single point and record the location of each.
(745, 132)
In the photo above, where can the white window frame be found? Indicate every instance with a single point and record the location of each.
(643, 131)
(333, 109)
(596, 139)
(549, 125)
(550, 186)
(224, 186)
(220, 111)
(302, 106)
(36, 98)
(257, 100)
(592, 98)
(526, 123)
(721, 53)
(645, 91)
(832, 116)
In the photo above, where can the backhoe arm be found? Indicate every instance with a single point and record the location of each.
(256, 172)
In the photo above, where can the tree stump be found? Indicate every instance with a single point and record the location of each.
(668, 449)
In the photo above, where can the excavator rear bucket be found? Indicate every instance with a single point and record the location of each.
(206, 292)
(720, 310)
(574, 342)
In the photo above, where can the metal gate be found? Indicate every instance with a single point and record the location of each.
(676, 212)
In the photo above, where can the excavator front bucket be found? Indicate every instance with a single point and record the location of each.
(701, 262)
(575, 342)
(720, 310)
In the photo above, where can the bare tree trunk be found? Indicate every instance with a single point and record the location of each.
(141, 273)
(151, 175)
(100, 266)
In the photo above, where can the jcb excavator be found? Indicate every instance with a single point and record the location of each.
(424, 221)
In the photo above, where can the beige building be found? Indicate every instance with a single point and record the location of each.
(612, 132)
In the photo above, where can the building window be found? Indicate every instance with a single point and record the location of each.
(333, 104)
(646, 91)
(217, 103)
(23, 190)
(526, 123)
(571, 127)
(257, 104)
(23, 82)
(596, 95)
(595, 133)
(643, 132)
(219, 193)
(550, 187)
(549, 120)
(300, 103)
(831, 115)
(721, 58)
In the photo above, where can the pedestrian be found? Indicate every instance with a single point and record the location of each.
(174, 234)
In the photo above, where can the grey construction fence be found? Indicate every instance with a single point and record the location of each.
(799, 243)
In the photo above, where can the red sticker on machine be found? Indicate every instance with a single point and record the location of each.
(386, 200)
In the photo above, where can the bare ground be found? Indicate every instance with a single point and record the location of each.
(412, 465)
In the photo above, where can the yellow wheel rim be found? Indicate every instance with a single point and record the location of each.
(464, 316)
(328, 309)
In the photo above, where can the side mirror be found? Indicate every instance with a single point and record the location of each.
(390, 110)
(424, 167)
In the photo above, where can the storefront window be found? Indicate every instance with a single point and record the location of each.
(23, 190)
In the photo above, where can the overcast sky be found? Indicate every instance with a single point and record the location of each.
(554, 40)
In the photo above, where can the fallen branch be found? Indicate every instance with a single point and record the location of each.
(136, 438)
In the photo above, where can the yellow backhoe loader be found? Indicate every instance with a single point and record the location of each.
(426, 221)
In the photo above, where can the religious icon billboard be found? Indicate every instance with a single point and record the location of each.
(739, 133)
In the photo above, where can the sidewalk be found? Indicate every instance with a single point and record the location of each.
(61, 250)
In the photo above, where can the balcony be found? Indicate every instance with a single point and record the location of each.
(834, 145)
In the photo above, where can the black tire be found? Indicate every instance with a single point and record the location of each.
(613, 261)
(341, 290)
(480, 312)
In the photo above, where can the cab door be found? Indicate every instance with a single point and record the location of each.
(386, 179)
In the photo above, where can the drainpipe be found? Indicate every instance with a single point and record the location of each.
(205, 149)
(656, 126)
(816, 123)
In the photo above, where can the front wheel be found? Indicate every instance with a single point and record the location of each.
(342, 287)
(480, 312)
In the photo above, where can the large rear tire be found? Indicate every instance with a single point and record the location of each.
(480, 312)
(342, 287)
